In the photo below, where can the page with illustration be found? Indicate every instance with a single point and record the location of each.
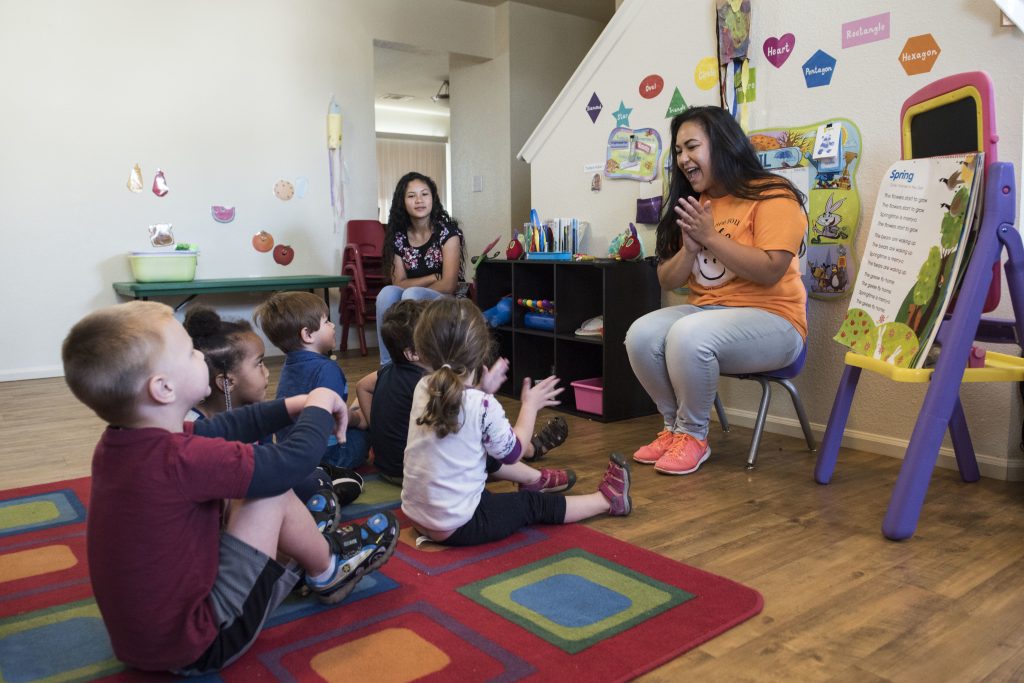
(923, 216)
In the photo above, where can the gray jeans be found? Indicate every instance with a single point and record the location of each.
(678, 352)
(390, 295)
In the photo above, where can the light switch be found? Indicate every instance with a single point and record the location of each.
(478, 183)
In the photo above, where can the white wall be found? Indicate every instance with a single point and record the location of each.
(225, 97)
(546, 47)
(479, 142)
(868, 87)
(537, 51)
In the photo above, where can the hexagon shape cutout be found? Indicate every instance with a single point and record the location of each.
(919, 54)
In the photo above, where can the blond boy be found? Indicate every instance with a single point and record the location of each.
(182, 585)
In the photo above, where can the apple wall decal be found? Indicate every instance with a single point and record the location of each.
(283, 254)
(778, 50)
(263, 241)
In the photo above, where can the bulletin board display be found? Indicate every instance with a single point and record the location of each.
(633, 154)
(833, 199)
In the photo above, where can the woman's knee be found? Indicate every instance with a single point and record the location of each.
(687, 339)
(387, 297)
(421, 294)
(644, 337)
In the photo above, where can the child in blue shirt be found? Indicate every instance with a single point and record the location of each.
(298, 324)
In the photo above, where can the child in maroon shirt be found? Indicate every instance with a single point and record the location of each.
(182, 585)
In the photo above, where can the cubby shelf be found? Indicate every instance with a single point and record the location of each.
(619, 291)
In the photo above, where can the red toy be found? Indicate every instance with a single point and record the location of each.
(515, 250)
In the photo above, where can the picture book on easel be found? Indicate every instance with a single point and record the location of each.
(919, 242)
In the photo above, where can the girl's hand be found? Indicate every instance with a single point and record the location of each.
(540, 395)
(493, 377)
(695, 221)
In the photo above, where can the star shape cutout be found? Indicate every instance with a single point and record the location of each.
(622, 115)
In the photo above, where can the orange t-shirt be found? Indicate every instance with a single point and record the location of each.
(773, 224)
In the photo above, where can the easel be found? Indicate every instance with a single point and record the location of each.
(941, 408)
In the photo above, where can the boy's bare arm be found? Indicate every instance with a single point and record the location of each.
(364, 394)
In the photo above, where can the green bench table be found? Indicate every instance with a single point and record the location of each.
(288, 283)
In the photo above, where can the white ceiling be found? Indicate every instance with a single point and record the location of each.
(410, 71)
(418, 73)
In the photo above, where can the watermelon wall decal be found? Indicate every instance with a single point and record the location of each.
(223, 214)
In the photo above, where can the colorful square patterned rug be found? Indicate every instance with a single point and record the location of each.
(552, 601)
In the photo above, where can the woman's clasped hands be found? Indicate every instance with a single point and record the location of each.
(696, 225)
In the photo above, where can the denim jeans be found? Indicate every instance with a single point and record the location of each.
(389, 296)
(352, 453)
(678, 352)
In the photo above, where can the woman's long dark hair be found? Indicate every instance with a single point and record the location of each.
(399, 221)
(734, 165)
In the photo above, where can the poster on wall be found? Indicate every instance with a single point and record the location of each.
(633, 154)
(833, 198)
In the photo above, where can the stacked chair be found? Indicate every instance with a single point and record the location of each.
(362, 260)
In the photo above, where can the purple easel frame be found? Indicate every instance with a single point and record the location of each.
(941, 408)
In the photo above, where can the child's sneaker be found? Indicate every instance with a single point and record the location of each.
(551, 481)
(615, 486)
(359, 550)
(652, 452)
(347, 484)
(325, 508)
(684, 456)
(553, 435)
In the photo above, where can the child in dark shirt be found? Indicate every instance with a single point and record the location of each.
(182, 584)
(387, 395)
(298, 324)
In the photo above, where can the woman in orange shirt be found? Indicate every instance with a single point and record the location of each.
(732, 236)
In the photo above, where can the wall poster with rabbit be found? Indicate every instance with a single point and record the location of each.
(833, 206)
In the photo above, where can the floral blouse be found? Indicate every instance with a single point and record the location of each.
(427, 259)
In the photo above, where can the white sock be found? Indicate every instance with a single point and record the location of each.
(322, 578)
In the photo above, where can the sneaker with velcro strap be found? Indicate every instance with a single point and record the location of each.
(551, 481)
(359, 549)
(325, 508)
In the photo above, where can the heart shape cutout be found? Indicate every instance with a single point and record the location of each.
(778, 50)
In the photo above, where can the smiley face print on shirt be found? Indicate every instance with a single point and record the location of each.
(708, 271)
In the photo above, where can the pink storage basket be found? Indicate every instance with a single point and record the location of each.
(588, 395)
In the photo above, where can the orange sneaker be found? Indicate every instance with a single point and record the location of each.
(684, 455)
(652, 452)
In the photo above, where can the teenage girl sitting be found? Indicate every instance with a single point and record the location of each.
(458, 435)
(732, 236)
(424, 250)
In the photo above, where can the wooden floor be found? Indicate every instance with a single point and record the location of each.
(841, 602)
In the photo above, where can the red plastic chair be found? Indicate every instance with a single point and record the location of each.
(362, 259)
(350, 310)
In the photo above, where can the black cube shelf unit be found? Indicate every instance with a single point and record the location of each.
(621, 291)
